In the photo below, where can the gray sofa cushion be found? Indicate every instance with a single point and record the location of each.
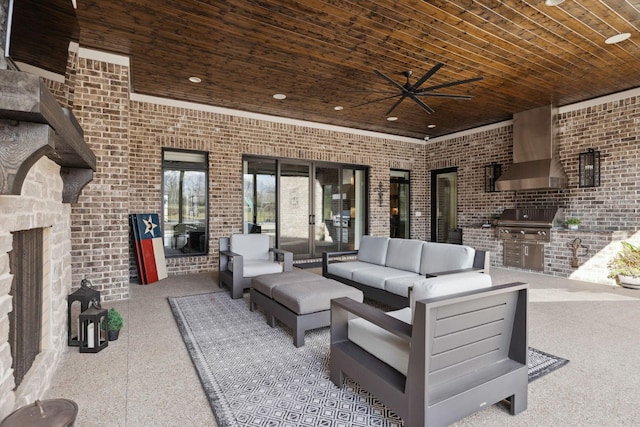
(251, 246)
(253, 268)
(433, 287)
(373, 249)
(346, 269)
(404, 254)
(313, 296)
(265, 283)
(400, 285)
(376, 276)
(386, 346)
(438, 257)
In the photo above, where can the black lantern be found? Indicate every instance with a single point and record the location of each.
(589, 168)
(84, 296)
(491, 173)
(92, 339)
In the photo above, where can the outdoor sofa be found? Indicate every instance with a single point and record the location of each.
(385, 268)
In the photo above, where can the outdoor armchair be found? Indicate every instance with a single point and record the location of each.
(244, 256)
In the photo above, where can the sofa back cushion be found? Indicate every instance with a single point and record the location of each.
(447, 284)
(438, 257)
(404, 254)
(251, 246)
(373, 249)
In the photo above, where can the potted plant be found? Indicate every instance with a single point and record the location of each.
(115, 323)
(625, 266)
(573, 223)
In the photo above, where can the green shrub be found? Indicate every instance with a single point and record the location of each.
(115, 320)
(626, 262)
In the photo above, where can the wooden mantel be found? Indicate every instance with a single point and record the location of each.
(32, 125)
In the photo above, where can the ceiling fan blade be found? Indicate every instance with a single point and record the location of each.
(442, 86)
(426, 76)
(390, 80)
(445, 95)
(395, 105)
(424, 106)
(377, 100)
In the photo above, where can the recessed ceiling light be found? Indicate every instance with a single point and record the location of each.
(617, 38)
(195, 79)
(280, 96)
(392, 118)
(553, 2)
(338, 108)
(431, 126)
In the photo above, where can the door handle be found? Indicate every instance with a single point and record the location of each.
(312, 220)
(526, 250)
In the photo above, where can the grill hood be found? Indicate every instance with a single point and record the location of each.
(534, 165)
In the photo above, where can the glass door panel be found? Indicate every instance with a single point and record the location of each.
(259, 202)
(444, 206)
(399, 202)
(295, 215)
(327, 220)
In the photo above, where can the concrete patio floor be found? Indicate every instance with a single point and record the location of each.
(146, 377)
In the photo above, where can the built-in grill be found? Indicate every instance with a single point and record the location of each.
(524, 232)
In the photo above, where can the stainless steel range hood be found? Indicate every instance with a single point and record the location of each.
(535, 164)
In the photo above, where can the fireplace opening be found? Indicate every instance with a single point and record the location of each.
(25, 320)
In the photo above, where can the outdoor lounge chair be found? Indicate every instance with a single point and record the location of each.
(244, 256)
(463, 352)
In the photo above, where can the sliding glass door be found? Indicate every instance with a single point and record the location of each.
(295, 207)
(308, 207)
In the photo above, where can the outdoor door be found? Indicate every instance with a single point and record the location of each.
(308, 207)
(399, 202)
(295, 220)
(444, 206)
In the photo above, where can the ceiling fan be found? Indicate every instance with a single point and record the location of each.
(414, 92)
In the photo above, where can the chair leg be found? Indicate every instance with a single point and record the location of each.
(518, 401)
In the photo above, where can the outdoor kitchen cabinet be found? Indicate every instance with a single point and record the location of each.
(524, 255)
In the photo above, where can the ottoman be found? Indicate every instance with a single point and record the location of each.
(299, 299)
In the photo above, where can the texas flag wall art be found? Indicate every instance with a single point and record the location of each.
(147, 236)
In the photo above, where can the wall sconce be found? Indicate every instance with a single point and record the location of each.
(380, 191)
(589, 169)
(84, 296)
(491, 173)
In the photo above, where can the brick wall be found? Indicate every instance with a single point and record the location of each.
(227, 139)
(100, 227)
(128, 137)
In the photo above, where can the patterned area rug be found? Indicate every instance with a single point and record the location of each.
(254, 376)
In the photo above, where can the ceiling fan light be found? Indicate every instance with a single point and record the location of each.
(392, 118)
(553, 2)
(617, 38)
(338, 108)
(431, 126)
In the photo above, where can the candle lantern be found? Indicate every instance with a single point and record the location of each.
(91, 338)
(83, 296)
(491, 173)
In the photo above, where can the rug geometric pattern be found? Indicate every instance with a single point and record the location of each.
(254, 376)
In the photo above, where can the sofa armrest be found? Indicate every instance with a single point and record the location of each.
(229, 254)
(326, 258)
(482, 260)
(286, 256)
(341, 308)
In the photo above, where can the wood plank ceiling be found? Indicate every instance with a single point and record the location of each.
(324, 53)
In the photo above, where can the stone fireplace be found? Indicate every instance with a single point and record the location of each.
(44, 164)
(38, 207)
